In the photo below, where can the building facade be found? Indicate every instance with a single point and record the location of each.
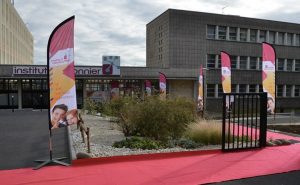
(185, 39)
(177, 43)
(16, 42)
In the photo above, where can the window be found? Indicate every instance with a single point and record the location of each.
(288, 91)
(260, 63)
(210, 88)
(271, 37)
(219, 62)
(242, 88)
(262, 36)
(220, 90)
(211, 31)
(253, 34)
(252, 88)
(279, 90)
(297, 90)
(232, 33)
(233, 88)
(233, 62)
(289, 64)
(261, 88)
(253, 63)
(211, 64)
(280, 38)
(222, 32)
(297, 65)
(297, 40)
(243, 34)
(289, 39)
(280, 64)
(243, 62)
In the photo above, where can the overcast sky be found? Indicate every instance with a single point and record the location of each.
(118, 27)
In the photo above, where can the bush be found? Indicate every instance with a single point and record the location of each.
(92, 107)
(205, 132)
(188, 144)
(138, 143)
(158, 119)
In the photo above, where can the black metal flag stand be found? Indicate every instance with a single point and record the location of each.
(51, 160)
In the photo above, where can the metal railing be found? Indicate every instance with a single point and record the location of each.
(244, 121)
(84, 130)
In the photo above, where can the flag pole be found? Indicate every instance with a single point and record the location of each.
(51, 160)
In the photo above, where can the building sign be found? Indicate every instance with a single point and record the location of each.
(111, 65)
(79, 70)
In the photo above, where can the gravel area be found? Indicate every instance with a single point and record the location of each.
(104, 133)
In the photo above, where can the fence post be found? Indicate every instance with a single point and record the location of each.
(224, 121)
(263, 119)
(88, 139)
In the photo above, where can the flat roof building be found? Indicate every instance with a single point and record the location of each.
(177, 43)
(185, 39)
(16, 41)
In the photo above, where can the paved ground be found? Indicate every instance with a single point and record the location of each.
(24, 138)
(290, 178)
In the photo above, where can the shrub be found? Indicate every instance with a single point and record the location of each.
(188, 144)
(205, 131)
(138, 143)
(160, 119)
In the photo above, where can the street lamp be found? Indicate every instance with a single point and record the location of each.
(41, 102)
(12, 103)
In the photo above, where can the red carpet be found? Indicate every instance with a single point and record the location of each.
(162, 169)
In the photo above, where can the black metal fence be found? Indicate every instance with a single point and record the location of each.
(244, 121)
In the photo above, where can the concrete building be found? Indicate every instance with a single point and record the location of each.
(16, 42)
(177, 43)
(179, 39)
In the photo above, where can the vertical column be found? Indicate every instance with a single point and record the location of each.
(238, 34)
(238, 62)
(268, 36)
(285, 39)
(285, 65)
(284, 91)
(216, 91)
(227, 33)
(276, 38)
(294, 40)
(248, 35)
(294, 65)
(216, 61)
(258, 36)
(247, 88)
(293, 91)
(217, 32)
(19, 94)
(248, 63)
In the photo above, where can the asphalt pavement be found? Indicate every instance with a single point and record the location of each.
(24, 137)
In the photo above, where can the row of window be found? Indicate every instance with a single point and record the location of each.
(252, 63)
(216, 90)
(252, 35)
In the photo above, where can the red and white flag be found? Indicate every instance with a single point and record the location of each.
(226, 72)
(162, 86)
(148, 87)
(200, 100)
(61, 75)
(268, 75)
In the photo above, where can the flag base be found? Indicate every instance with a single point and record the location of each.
(51, 161)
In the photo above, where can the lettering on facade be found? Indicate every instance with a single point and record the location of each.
(39, 70)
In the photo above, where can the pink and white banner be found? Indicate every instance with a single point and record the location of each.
(200, 102)
(162, 86)
(61, 74)
(226, 72)
(148, 87)
(268, 75)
